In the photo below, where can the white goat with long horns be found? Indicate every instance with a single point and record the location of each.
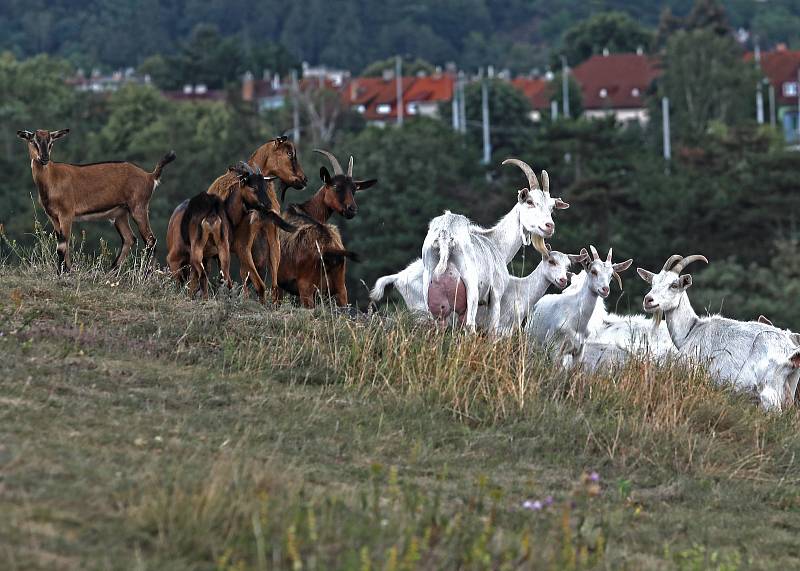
(561, 321)
(457, 253)
(749, 355)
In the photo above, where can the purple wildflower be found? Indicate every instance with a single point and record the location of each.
(548, 501)
(594, 477)
(535, 505)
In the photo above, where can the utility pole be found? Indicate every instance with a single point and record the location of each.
(295, 109)
(759, 93)
(456, 108)
(565, 85)
(772, 118)
(462, 103)
(665, 115)
(487, 144)
(398, 72)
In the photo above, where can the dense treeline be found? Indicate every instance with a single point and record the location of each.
(730, 192)
(518, 34)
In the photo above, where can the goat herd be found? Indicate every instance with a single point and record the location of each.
(462, 275)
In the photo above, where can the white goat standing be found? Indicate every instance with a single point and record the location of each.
(561, 321)
(477, 256)
(522, 294)
(749, 355)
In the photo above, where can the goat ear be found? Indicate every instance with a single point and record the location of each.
(622, 266)
(27, 135)
(365, 184)
(281, 139)
(794, 360)
(325, 175)
(58, 134)
(576, 258)
(795, 337)
(764, 320)
(686, 281)
(522, 195)
(645, 275)
(561, 205)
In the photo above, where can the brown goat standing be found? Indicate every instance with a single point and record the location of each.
(256, 244)
(313, 259)
(206, 232)
(74, 193)
(247, 201)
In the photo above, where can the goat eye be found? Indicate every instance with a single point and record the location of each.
(594, 272)
(674, 285)
(552, 263)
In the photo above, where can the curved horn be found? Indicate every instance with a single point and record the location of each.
(350, 167)
(595, 255)
(608, 258)
(545, 182)
(337, 168)
(671, 260)
(619, 279)
(688, 260)
(533, 183)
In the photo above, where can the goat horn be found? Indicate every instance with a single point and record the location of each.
(688, 260)
(533, 182)
(619, 279)
(545, 182)
(337, 168)
(671, 260)
(608, 258)
(350, 167)
(595, 255)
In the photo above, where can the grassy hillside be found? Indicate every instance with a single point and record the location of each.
(141, 430)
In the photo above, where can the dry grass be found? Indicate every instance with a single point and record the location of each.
(144, 430)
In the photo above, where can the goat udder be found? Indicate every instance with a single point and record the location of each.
(445, 295)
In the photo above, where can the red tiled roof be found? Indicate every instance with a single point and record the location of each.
(779, 67)
(434, 89)
(535, 90)
(616, 81)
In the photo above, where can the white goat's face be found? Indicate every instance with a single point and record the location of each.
(599, 276)
(666, 288)
(536, 212)
(556, 267)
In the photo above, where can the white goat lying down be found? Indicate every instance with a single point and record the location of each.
(614, 338)
(561, 322)
(408, 283)
(455, 250)
(749, 355)
(518, 300)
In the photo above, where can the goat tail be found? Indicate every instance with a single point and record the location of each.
(276, 219)
(379, 289)
(444, 255)
(335, 256)
(168, 158)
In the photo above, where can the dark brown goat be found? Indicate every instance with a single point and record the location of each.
(205, 232)
(246, 205)
(313, 259)
(258, 242)
(74, 193)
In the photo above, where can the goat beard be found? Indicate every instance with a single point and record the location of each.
(538, 244)
(657, 317)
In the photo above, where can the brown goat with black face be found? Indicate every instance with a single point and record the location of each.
(74, 193)
(246, 205)
(313, 259)
(258, 242)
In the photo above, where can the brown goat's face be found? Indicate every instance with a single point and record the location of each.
(339, 192)
(284, 164)
(40, 143)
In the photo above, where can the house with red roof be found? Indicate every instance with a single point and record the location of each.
(616, 84)
(781, 68)
(376, 97)
(536, 92)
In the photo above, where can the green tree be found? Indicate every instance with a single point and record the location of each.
(615, 31)
(706, 80)
(509, 115)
